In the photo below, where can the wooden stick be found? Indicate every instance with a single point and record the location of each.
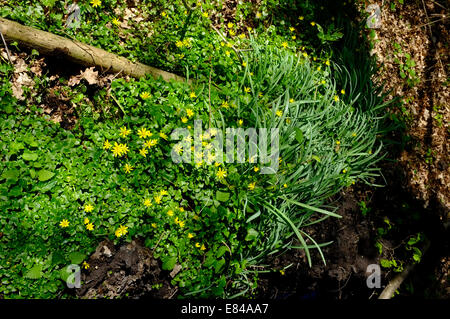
(49, 43)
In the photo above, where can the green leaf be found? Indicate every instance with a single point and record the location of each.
(30, 156)
(385, 263)
(76, 257)
(168, 262)
(44, 175)
(251, 234)
(12, 174)
(298, 135)
(35, 272)
(222, 196)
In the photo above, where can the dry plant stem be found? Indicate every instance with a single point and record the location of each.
(48, 43)
(6, 48)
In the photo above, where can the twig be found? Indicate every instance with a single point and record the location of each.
(6, 47)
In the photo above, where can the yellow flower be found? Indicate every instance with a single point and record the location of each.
(323, 82)
(336, 98)
(279, 113)
(189, 113)
(170, 213)
(86, 265)
(282, 272)
(190, 235)
(150, 143)
(88, 208)
(145, 95)
(319, 68)
(221, 173)
(225, 104)
(144, 133)
(256, 168)
(181, 224)
(301, 18)
(203, 247)
(163, 14)
(197, 245)
(106, 145)
(163, 135)
(96, 3)
(247, 89)
(258, 15)
(86, 221)
(244, 64)
(251, 186)
(260, 94)
(192, 95)
(227, 53)
(143, 152)
(284, 45)
(240, 122)
(122, 230)
(232, 32)
(179, 44)
(184, 119)
(117, 150)
(128, 168)
(154, 225)
(285, 185)
(344, 171)
(64, 223)
(291, 101)
(305, 54)
(242, 35)
(163, 192)
(147, 202)
(313, 23)
(178, 149)
(342, 91)
(292, 29)
(205, 14)
(294, 37)
(354, 134)
(230, 25)
(327, 62)
(338, 142)
(90, 226)
(158, 199)
(124, 132)
(115, 21)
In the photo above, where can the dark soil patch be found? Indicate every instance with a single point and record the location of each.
(128, 271)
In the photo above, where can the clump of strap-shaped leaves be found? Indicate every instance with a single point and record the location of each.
(327, 137)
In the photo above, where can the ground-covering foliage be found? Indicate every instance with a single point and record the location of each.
(111, 175)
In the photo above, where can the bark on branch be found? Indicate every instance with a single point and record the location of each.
(51, 44)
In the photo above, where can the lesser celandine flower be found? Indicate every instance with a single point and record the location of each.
(192, 95)
(147, 202)
(106, 145)
(190, 235)
(221, 173)
(189, 113)
(128, 168)
(163, 135)
(143, 152)
(158, 199)
(115, 21)
(122, 230)
(90, 226)
(279, 113)
(144, 133)
(284, 45)
(96, 3)
(251, 186)
(184, 120)
(124, 131)
(88, 208)
(64, 223)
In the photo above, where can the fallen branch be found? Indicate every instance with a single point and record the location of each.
(51, 44)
